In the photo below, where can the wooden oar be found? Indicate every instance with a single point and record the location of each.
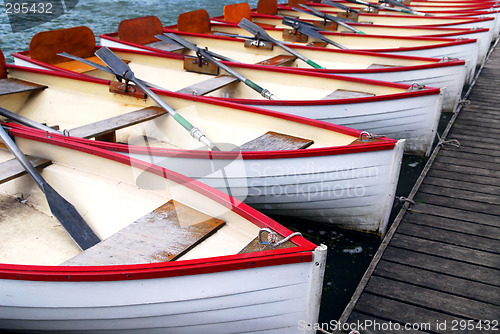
(201, 52)
(102, 68)
(328, 17)
(26, 121)
(64, 211)
(262, 34)
(404, 9)
(306, 29)
(123, 71)
(346, 8)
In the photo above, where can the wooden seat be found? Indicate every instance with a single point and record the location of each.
(140, 30)
(160, 236)
(278, 60)
(236, 12)
(274, 141)
(296, 3)
(269, 7)
(208, 86)
(78, 41)
(12, 169)
(196, 21)
(105, 129)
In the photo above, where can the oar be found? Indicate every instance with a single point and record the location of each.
(405, 9)
(26, 121)
(306, 29)
(262, 34)
(123, 71)
(340, 6)
(64, 211)
(329, 17)
(102, 68)
(201, 52)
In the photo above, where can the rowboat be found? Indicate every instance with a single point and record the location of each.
(278, 163)
(279, 30)
(431, 72)
(467, 49)
(373, 106)
(179, 249)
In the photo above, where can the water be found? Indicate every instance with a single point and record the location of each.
(349, 253)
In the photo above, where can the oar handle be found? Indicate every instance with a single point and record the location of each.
(30, 169)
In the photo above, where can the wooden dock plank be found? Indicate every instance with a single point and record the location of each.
(438, 264)
(462, 185)
(401, 312)
(441, 302)
(472, 228)
(453, 238)
(453, 252)
(457, 214)
(440, 282)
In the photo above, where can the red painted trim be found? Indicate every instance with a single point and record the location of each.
(301, 253)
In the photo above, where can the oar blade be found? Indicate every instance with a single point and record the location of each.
(70, 219)
(118, 66)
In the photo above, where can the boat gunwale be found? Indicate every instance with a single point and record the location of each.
(301, 253)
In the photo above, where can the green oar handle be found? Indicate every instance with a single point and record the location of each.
(313, 64)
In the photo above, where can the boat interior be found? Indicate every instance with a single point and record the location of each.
(136, 224)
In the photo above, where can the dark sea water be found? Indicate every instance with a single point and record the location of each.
(349, 253)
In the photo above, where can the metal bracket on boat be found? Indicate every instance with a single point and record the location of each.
(272, 237)
(66, 133)
(124, 88)
(293, 35)
(199, 64)
(415, 86)
(258, 43)
(366, 136)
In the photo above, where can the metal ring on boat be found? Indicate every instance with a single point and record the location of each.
(194, 93)
(66, 132)
(367, 134)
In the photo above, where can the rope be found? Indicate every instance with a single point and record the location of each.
(272, 237)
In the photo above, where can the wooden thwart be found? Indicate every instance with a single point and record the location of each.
(278, 60)
(208, 86)
(274, 141)
(110, 125)
(12, 86)
(160, 236)
(12, 169)
(79, 67)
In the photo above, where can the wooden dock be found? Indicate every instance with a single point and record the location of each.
(438, 269)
